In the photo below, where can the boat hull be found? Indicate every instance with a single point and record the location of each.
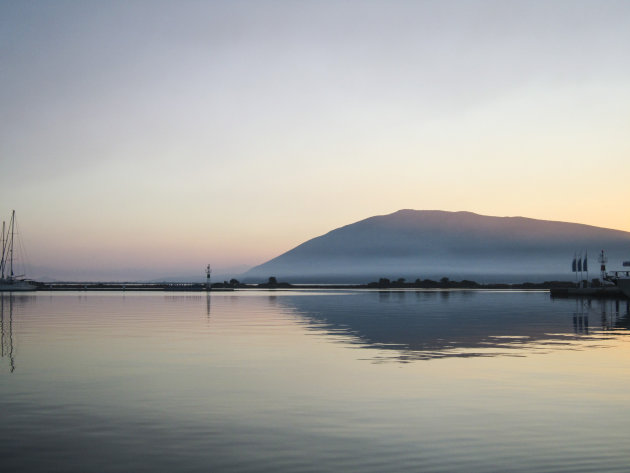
(15, 286)
(624, 285)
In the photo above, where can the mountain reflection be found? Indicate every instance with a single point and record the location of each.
(421, 325)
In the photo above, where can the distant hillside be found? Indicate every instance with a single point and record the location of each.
(432, 244)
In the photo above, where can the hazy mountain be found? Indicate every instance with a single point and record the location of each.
(432, 244)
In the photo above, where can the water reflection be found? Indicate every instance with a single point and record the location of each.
(156, 382)
(425, 325)
(6, 330)
(614, 315)
(8, 302)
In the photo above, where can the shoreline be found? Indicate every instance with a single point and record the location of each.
(557, 289)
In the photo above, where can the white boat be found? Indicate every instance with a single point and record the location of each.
(9, 282)
(621, 279)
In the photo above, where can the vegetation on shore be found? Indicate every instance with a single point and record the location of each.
(446, 283)
(272, 283)
(401, 283)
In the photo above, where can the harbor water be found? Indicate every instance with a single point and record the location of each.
(314, 381)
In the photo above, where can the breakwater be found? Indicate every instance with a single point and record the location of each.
(125, 286)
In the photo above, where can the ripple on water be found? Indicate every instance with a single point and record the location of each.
(313, 382)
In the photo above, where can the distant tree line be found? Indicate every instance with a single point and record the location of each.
(402, 283)
(272, 283)
(446, 283)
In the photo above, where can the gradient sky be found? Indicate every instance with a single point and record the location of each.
(146, 138)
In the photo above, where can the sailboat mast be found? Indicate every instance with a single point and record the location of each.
(12, 225)
(3, 250)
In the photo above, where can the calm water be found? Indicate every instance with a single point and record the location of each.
(314, 382)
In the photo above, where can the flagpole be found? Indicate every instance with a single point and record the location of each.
(586, 266)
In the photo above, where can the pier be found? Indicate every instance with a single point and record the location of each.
(607, 292)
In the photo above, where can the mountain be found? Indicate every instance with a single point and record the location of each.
(433, 244)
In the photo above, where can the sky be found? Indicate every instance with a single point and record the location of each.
(146, 139)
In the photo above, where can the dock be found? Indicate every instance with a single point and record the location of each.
(606, 292)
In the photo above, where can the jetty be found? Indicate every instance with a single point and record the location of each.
(133, 285)
(127, 286)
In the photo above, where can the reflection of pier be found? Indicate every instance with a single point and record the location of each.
(6, 329)
(613, 314)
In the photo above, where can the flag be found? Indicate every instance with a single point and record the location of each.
(574, 265)
(580, 264)
(585, 263)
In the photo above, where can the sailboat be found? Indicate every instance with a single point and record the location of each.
(9, 282)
